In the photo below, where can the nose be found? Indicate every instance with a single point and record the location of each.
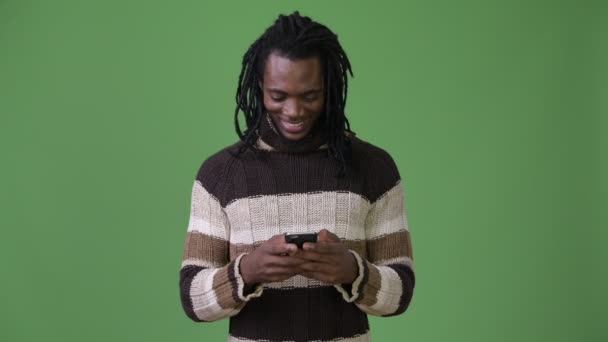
(293, 109)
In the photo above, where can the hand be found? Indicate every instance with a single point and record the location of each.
(272, 261)
(328, 260)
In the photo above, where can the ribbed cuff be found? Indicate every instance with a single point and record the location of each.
(357, 285)
(241, 283)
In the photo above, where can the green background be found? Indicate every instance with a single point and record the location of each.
(495, 112)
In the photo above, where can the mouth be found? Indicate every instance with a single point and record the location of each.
(292, 126)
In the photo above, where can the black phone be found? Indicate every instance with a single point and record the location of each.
(299, 238)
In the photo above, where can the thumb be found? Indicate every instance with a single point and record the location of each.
(327, 236)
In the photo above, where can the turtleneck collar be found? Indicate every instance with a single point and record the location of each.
(270, 138)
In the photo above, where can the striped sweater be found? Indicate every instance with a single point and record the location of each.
(240, 202)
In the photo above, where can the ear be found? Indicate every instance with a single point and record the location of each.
(261, 84)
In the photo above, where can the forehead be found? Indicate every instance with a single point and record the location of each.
(292, 75)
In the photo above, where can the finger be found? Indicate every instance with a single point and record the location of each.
(312, 256)
(315, 267)
(285, 261)
(278, 238)
(276, 274)
(295, 253)
(324, 247)
(326, 236)
(317, 276)
(310, 275)
(282, 248)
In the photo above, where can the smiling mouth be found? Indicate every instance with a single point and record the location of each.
(293, 126)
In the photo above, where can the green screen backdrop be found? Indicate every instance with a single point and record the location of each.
(495, 112)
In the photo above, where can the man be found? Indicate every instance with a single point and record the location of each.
(296, 168)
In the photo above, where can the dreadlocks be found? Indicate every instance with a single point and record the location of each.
(296, 37)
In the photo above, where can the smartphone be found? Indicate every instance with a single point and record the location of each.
(299, 238)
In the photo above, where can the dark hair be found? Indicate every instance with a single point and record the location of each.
(295, 36)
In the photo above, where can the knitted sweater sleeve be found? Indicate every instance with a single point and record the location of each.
(211, 286)
(385, 283)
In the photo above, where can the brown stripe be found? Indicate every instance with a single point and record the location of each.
(372, 287)
(390, 246)
(203, 247)
(235, 250)
(410, 251)
(357, 246)
(224, 288)
(281, 173)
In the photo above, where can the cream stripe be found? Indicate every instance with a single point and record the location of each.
(257, 219)
(387, 215)
(297, 281)
(389, 294)
(204, 226)
(361, 338)
(270, 214)
(381, 225)
(244, 238)
(206, 214)
(204, 301)
(262, 145)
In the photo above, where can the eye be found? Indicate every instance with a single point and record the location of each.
(310, 98)
(278, 99)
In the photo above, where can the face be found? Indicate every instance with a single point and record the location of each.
(293, 94)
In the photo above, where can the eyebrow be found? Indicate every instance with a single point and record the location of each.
(311, 91)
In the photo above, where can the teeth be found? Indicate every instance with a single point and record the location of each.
(294, 123)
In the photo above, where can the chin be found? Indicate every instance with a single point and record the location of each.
(294, 136)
